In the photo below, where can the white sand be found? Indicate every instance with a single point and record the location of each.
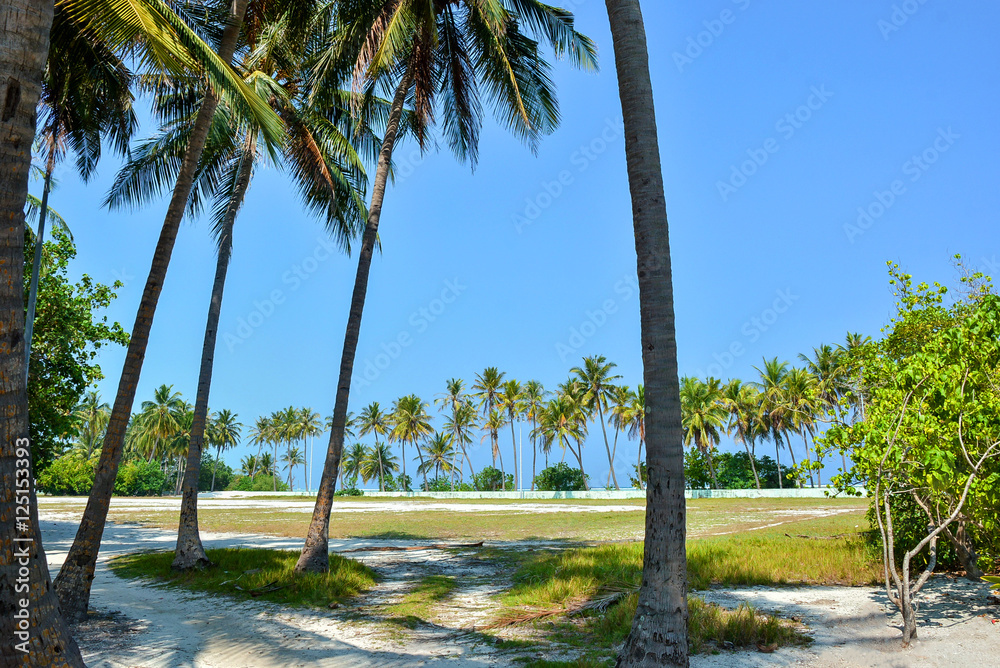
(165, 628)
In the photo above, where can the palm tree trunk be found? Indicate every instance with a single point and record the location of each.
(638, 470)
(24, 43)
(513, 440)
(534, 454)
(315, 556)
(36, 265)
(604, 430)
(659, 629)
(215, 468)
(75, 578)
(777, 459)
(420, 454)
(274, 468)
(578, 453)
(614, 452)
(805, 444)
(753, 464)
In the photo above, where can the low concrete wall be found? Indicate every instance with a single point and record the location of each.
(805, 493)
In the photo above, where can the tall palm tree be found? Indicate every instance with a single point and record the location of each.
(778, 417)
(743, 403)
(225, 434)
(354, 462)
(804, 405)
(703, 417)
(534, 395)
(659, 629)
(511, 400)
(451, 400)
(159, 420)
(559, 423)
(487, 390)
(636, 421)
(619, 400)
(439, 53)
(410, 424)
(310, 425)
(261, 435)
(440, 454)
(461, 424)
(492, 424)
(596, 376)
(76, 575)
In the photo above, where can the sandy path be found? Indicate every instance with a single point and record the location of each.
(160, 628)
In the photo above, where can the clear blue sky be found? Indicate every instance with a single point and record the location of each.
(833, 101)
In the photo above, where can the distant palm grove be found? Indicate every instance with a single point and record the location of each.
(785, 406)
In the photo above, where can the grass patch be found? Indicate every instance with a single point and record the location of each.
(247, 573)
(416, 606)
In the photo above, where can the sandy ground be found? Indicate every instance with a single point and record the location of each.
(143, 626)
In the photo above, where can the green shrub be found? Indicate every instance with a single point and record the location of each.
(139, 477)
(70, 474)
(560, 478)
(259, 483)
(491, 479)
(732, 470)
(223, 474)
(349, 491)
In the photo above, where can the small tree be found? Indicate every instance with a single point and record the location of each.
(932, 425)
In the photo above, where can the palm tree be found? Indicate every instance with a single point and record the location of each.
(534, 395)
(635, 418)
(620, 399)
(559, 423)
(225, 434)
(354, 462)
(410, 423)
(775, 407)
(293, 457)
(379, 462)
(493, 423)
(85, 98)
(77, 573)
(440, 454)
(703, 416)
(266, 464)
(261, 434)
(438, 52)
(159, 420)
(596, 377)
(487, 390)
(248, 465)
(510, 399)
(743, 403)
(91, 415)
(827, 366)
(461, 425)
(310, 425)
(804, 406)
(659, 629)
(453, 399)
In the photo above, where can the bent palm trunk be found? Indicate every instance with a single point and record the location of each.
(659, 630)
(24, 44)
(315, 557)
(36, 265)
(611, 458)
(74, 580)
(190, 553)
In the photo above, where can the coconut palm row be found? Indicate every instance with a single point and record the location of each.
(287, 427)
(439, 66)
(784, 402)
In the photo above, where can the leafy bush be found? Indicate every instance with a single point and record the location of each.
(909, 526)
(444, 485)
(491, 479)
(223, 474)
(732, 470)
(259, 483)
(349, 491)
(640, 481)
(560, 478)
(139, 477)
(70, 474)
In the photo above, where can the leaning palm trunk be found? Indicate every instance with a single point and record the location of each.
(77, 573)
(36, 265)
(24, 43)
(753, 464)
(315, 556)
(611, 458)
(659, 629)
(190, 553)
(422, 468)
(517, 471)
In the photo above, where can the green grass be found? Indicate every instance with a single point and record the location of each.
(261, 574)
(416, 606)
